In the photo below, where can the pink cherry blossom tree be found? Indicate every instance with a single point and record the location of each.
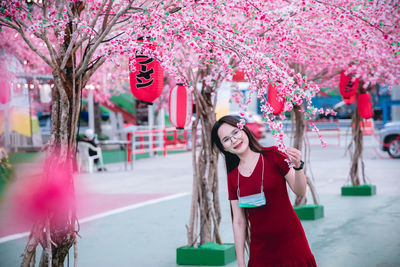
(264, 38)
(310, 42)
(358, 38)
(64, 35)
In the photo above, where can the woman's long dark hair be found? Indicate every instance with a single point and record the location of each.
(231, 160)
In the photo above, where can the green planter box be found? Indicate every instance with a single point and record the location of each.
(359, 190)
(309, 212)
(3, 184)
(5, 175)
(210, 254)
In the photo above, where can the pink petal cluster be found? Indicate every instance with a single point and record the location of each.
(296, 45)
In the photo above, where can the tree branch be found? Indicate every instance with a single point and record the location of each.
(351, 13)
(98, 14)
(69, 49)
(93, 68)
(103, 27)
(27, 41)
(86, 60)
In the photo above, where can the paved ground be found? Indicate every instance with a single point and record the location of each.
(138, 217)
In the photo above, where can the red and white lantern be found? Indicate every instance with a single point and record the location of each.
(347, 86)
(364, 105)
(4, 92)
(180, 106)
(238, 76)
(349, 100)
(148, 80)
(275, 99)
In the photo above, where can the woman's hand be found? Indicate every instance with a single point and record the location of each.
(295, 155)
(296, 178)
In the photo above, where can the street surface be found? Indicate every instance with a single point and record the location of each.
(137, 217)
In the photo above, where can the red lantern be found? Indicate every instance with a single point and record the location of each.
(148, 80)
(347, 87)
(274, 99)
(364, 105)
(238, 76)
(4, 92)
(180, 106)
(349, 100)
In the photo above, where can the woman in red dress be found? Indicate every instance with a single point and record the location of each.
(263, 218)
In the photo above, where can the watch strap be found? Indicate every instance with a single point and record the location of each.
(300, 167)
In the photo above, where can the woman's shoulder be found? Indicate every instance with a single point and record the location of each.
(269, 149)
(233, 171)
(272, 151)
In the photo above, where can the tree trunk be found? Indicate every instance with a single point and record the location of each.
(355, 148)
(56, 233)
(205, 200)
(297, 143)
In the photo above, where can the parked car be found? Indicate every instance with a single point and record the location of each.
(255, 125)
(390, 138)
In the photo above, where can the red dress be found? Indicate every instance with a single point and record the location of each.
(277, 237)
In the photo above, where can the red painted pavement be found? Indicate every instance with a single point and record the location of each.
(87, 205)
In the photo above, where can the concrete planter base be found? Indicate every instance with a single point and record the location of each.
(210, 254)
(309, 212)
(360, 190)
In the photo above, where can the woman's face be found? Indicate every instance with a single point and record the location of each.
(233, 139)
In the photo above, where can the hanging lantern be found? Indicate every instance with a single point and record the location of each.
(238, 76)
(273, 97)
(364, 105)
(180, 106)
(148, 80)
(349, 100)
(4, 92)
(347, 86)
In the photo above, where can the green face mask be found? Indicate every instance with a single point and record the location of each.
(254, 200)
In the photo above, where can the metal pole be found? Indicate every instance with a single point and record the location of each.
(161, 125)
(133, 154)
(6, 128)
(30, 116)
(91, 110)
(151, 126)
(395, 97)
(385, 112)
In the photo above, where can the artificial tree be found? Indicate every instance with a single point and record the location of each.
(261, 37)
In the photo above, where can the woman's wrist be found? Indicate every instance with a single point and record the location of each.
(299, 166)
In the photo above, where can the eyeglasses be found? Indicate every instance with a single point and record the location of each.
(227, 141)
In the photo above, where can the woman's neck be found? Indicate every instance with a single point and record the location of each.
(247, 156)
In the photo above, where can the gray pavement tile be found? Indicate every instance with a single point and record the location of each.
(356, 231)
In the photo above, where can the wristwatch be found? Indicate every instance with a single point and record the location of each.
(300, 167)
